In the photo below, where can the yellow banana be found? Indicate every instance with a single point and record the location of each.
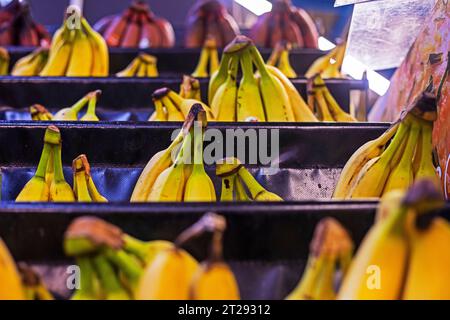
(4, 61)
(190, 88)
(366, 152)
(219, 77)
(429, 262)
(80, 64)
(80, 186)
(59, 56)
(301, 110)
(276, 101)
(377, 271)
(402, 175)
(60, 190)
(371, 183)
(32, 64)
(100, 61)
(199, 186)
(285, 66)
(71, 113)
(257, 192)
(201, 71)
(145, 251)
(90, 113)
(185, 105)
(224, 103)
(131, 69)
(425, 169)
(249, 103)
(11, 287)
(168, 277)
(160, 114)
(173, 113)
(37, 189)
(322, 107)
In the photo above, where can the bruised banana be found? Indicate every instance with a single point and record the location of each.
(227, 169)
(366, 152)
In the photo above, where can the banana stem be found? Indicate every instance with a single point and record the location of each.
(132, 270)
(224, 64)
(106, 274)
(135, 246)
(247, 68)
(92, 105)
(259, 61)
(43, 162)
(87, 275)
(395, 143)
(80, 104)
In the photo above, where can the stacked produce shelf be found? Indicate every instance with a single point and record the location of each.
(266, 244)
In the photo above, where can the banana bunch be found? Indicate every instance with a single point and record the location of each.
(48, 182)
(209, 60)
(401, 155)
(33, 285)
(83, 186)
(32, 64)
(280, 59)
(190, 88)
(330, 247)
(322, 102)
(174, 174)
(115, 265)
(267, 95)
(11, 287)
(77, 52)
(4, 61)
(171, 106)
(40, 113)
(405, 253)
(239, 185)
(144, 65)
(71, 113)
(329, 66)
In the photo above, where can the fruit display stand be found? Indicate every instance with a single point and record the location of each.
(178, 61)
(122, 99)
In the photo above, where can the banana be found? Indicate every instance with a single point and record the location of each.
(199, 186)
(145, 251)
(425, 169)
(33, 285)
(213, 60)
(37, 189)
(185, 105)
(4, 61)
(81, 58)
(227, 169)
(60, 190)
(100, 61)
(276, 101)
(219, 77)
(323, 64)
(301, 110)
(389, 202)
(32, 64)
(249, 103)
(257, 192)
(89, 283)
(402, 175)
(241, 192)
(285, 66)
(224, 103)
(366, 152)
(40, 113)
(71, 113)
(170, 184)
(173, 113)
(11, 288)
(377, 271)
(80, 186)
(331, 245)
(160, 114)
(322, 107)
(168, 277)
(371, 183)
(59, 56)
(109, 280)
(131, 69)
(429, 262)
(201, 71)
(190, 88)
(90, 113)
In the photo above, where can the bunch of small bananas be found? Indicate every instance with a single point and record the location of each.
(322, 102)
(49, 183)
(280, 59)
(19, 282)
(209, 59)
(329, 65)
(330, 248)
(190, 88)
(4, 61)
(236, 180)
(40, 113)
(378, 167)
(32, 64)
(77, 52)
(266, 96)
(170, 106)
(144, 65)
(114, 265)
(405, 254)
(173, 174)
